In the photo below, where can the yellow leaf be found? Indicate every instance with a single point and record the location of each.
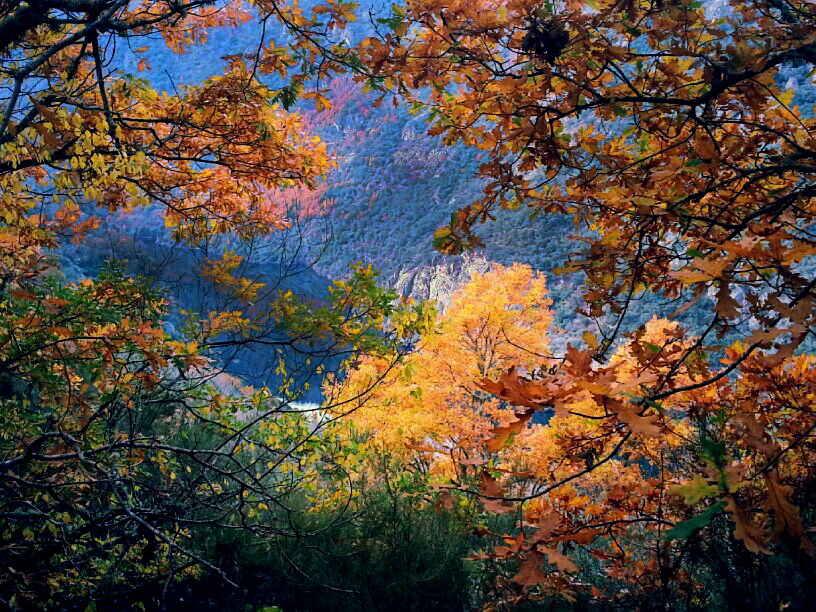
(694, 490)
(590, 339)
(786, 98)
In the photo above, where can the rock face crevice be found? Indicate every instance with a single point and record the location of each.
(439, 281)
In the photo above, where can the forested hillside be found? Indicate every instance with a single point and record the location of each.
(395, 184)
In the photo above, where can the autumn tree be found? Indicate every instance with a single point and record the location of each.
(665, 130)
(433, 412)
(431, 401)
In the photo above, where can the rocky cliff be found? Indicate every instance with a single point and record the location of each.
(439, 280)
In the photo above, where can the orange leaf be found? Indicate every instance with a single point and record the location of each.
(496, 506)
(503, 435)
(579, 362)
(590, 339)
(516, 390)
(421, 447)
(629, 414)
(490, 487)
(689, 276)
(23, 295)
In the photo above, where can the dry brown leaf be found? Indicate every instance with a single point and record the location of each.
(753, 537)
(529, 572)
(727, 307)
(491, 488)
(561, 561)
(786, 515)
(516, 390)
(643, 425)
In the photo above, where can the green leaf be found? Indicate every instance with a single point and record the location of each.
(653, 404)
(441, 237)
(652, 347)
(694, 491)
(713, 451)
(408, 372)
(684, 530)
(288, 95)
(693, 163)
(645, 401)
(392, 22)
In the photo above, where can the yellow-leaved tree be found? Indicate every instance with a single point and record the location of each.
(430, 408)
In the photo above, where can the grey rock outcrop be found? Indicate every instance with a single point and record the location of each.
(439, 281)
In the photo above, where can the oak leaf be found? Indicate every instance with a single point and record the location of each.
(727, 307)
(491, 488)
(503, 435)
(516, 390)
(694, 490)
(753, 537)
(630, 414)
(529, 572)
(561, 561)
(579, 363)
(786, 516)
